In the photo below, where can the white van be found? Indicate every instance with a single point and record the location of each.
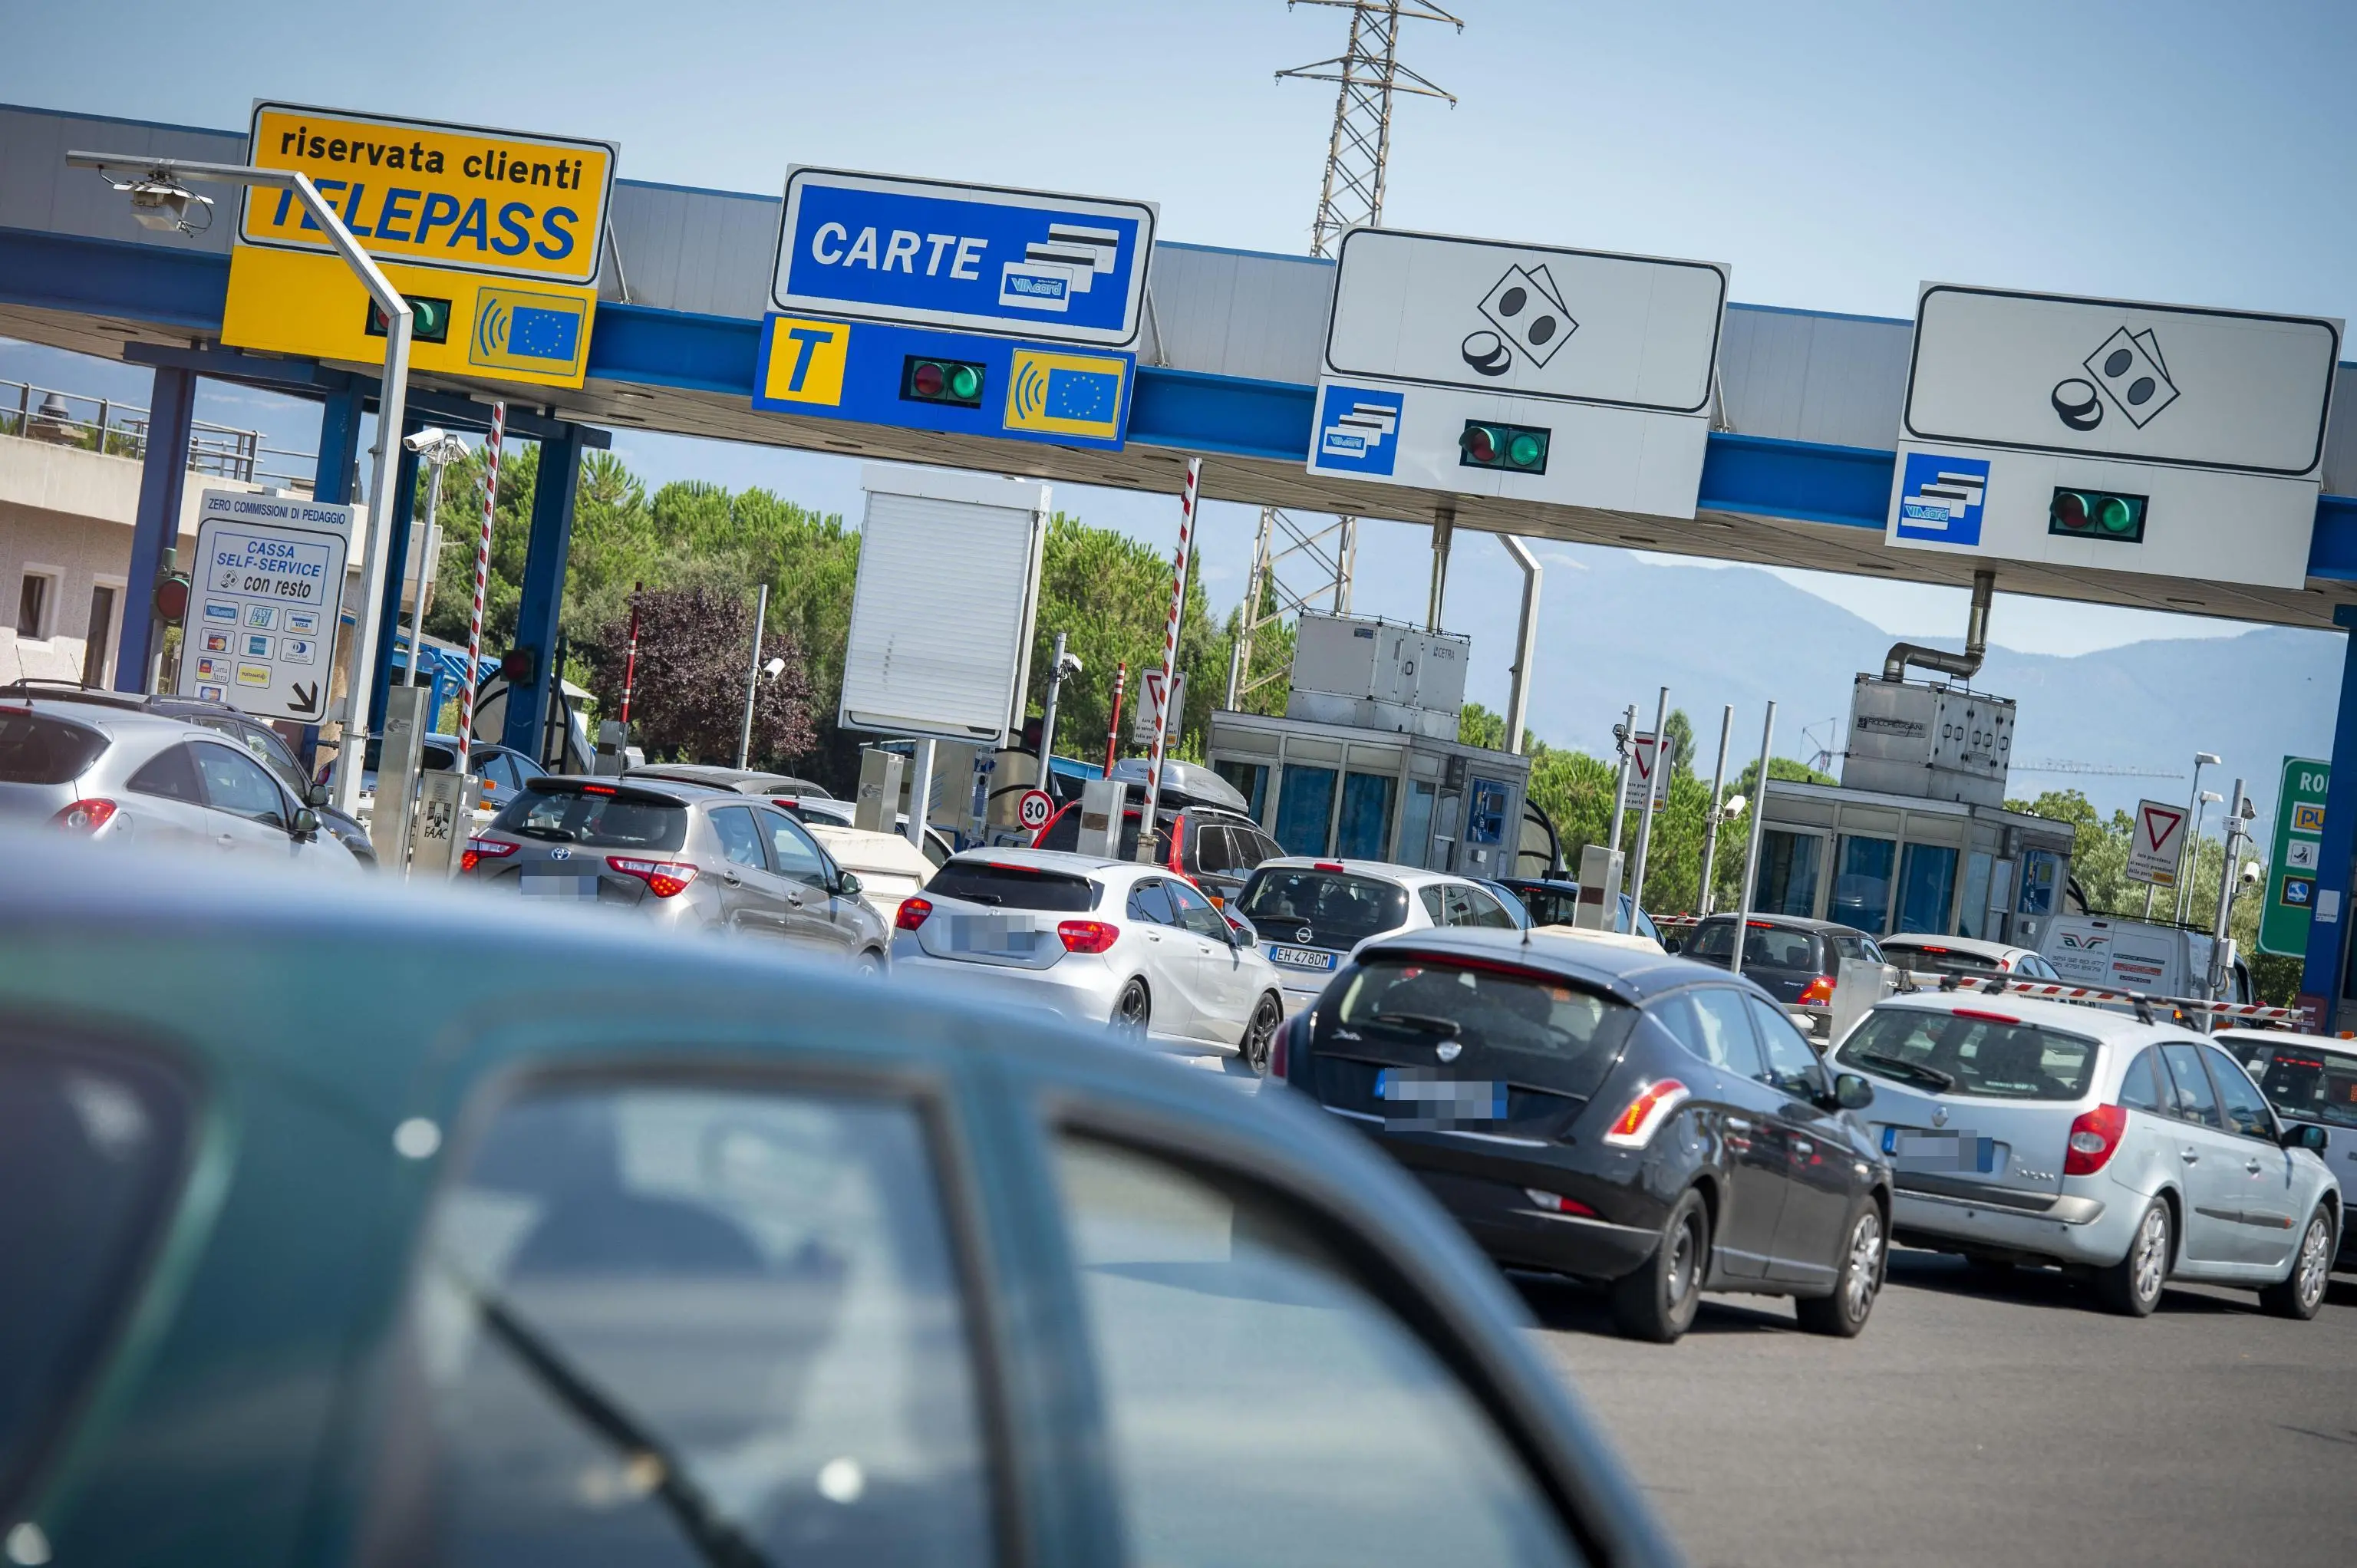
(2137, 955)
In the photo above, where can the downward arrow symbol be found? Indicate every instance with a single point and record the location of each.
(306, 698)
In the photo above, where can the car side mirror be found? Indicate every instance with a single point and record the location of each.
(1673, 942)
(317, 795)
(847, 885)
(307, 823)
(1241, 933)
(1852, 1092)
(2306, 1135)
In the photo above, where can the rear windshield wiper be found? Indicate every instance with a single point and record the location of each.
(1427, 1023)
(1943, 1082)
(554, 836)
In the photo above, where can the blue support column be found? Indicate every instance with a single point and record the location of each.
(333, 480)
(544, 584)
(163, 481)
(2324, 976)
(404, 501)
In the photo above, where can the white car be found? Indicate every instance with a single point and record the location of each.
(1311, 914)
(1108, 942)
(888, 867)
(1968, 957)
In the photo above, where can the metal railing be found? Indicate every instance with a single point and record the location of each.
(120, 430)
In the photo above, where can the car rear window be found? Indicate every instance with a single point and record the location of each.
(1975, 1052)
(2317, 1086)
(102, 1138)
(601, 817)
(1064, 833)
(1764, 947)
(37, 750)
(1943, 960)
(1014, 886)
(1334, 909)
(1421, 998)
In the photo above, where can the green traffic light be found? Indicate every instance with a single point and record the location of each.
(2114, 515)
(965, 381)
(1526, 449)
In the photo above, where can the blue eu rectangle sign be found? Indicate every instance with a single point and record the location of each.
(1053, 268)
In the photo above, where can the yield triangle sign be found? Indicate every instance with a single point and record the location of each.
(1643, 752)
(2160, 825)
(2159, 841)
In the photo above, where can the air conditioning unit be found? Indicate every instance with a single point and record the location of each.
(1935, 742)
(1373, 674)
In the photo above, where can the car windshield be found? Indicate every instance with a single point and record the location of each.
(1008, 887)
(37, 750)
(1931, 960)
(1423, 998)
(597, 816)
(1764, 946)
(1548, 906)
(1322, 909)
(1977, 1052)
(2304, 1082)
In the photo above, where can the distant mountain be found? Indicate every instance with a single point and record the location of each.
(1613, 628)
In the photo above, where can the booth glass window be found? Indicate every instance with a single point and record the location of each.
(2041, 871)
(1927, 887)
(1485, 812)
(1365, 831)
(1305, 808)
(1862, 883)
(1972, 918)
(1415, 822)
(1251, 780)
(1788, 873)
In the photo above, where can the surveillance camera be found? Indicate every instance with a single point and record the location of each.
(774, 668)
(426, 439)
(1734, 807)
(1070, 667)
(2253, 873)
(157, 203)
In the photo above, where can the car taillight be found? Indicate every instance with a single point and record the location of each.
(1280, 1050)
(1086, 936)
(479, 850)
(85, 816)
(2093, 1137)
(1818, 992)
(662, 877)
(1635, 1127)
(1555, 1203)
(912, 913)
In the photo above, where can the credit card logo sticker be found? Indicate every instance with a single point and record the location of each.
(217, 609)
(297, 651)
(304, 621)
(1357, 430)
(1941, 498)
(257, 646)
(251, 674)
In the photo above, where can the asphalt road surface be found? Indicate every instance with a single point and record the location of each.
(1985, 1419)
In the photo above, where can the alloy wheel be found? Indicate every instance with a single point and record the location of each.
(2314, 1266)
(2151, 1253)
(1260, 1035)
(1864, 1275)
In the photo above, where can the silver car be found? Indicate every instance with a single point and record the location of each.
(128, 778)
(1094, 940)
(1311, 914)
(684, 855)
(2309, 1079)
(2130, 1153)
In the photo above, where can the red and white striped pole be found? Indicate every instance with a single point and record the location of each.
(1112, 730)
(1187, 500)
(482, 575)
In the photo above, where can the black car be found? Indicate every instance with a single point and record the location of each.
(1798, 961)
(1598, 1111)
(268, 747)
(1553, 901)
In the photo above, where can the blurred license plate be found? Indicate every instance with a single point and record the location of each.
(991, 934)
(1300, 958)
(1413, 1097)
(1957, 1151)
(541, 887)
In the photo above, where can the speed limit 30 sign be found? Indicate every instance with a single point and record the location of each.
(1034, 808)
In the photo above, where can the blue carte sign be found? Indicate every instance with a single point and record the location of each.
(972, 258)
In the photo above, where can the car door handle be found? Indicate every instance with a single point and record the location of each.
(794, 899)
(2254, 1167)
(2190, 1157)
(1803, 1146)
(731, 879)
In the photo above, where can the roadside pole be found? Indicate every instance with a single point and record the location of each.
(630, 661)
(2229, 881)
(753, 675)
(468, 679)
(1187, 502)
(1048, 716)
(920, 794)
(1710, 830)
(1645, 811)
(1751, 855)
(1112, 730)
(1621, 779)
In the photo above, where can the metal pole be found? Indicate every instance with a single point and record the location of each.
(630, 661)
(1710, 831)
(468, 679)
(1621, 779)
(1659, 783)
(1187, 501)
(1526, 641)
(2184, 901)
(1751, 855)
(425, 570)
(920, 794)
(2228, 882)
(1112, 730)
(1048, 714)
(1444, 532)
(753, 675)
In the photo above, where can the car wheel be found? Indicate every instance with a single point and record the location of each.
(2301, 1291)
(869, 965)
(1659, 1301)
(2131, 1287)
(1132, 1010)
(1844, 1313)
(1260, 1035)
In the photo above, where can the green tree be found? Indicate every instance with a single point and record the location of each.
(1110, 596)
(1678, 733)
(1477, 725)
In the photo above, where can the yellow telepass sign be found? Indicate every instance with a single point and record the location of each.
(495, 238)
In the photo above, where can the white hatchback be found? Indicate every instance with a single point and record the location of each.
(1311, 914)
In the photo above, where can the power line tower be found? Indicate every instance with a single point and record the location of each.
(1366, 75)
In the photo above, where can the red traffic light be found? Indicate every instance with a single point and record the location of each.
(172, 599)
(1482, 444)
(521, 666)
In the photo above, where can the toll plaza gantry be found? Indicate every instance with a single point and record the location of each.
(2156, 456)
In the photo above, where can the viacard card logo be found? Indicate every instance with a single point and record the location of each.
(1940, 498)
(1072, 257)
(1357, 430)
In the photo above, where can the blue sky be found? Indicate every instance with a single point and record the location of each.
(1833, 154)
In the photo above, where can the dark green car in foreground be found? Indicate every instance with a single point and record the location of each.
(329, 1237)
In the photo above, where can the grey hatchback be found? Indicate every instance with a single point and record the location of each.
(683, 855)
